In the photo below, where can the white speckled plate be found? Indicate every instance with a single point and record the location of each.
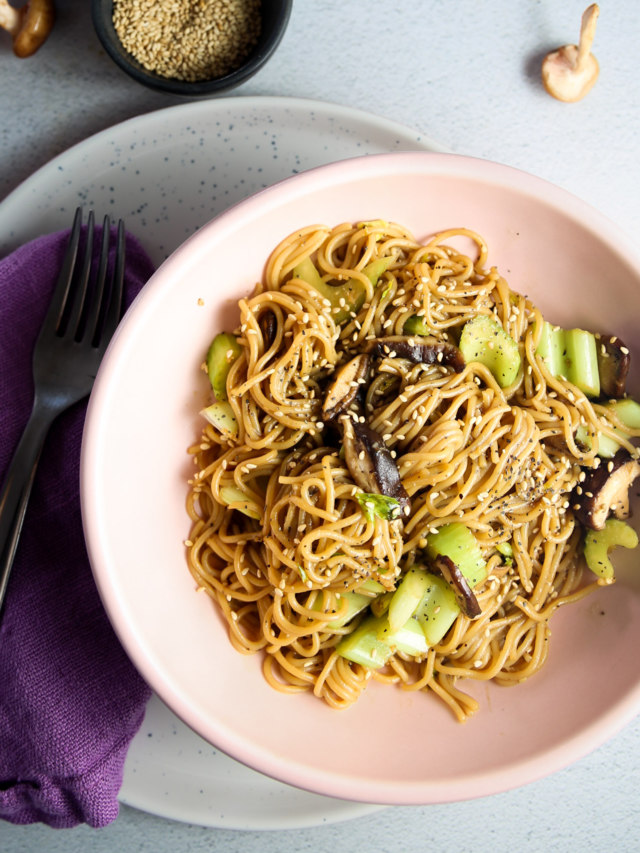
(168, 173)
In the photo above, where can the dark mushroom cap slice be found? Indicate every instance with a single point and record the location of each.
(345, 386)
(614, 361)
(421, 349)
(371, 464)
(269, 327)
(605, 491)
(464, 594)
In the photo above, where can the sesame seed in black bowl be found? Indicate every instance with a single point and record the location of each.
(190, 47)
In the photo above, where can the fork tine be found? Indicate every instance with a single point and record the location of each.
(59, 299)
(116, 303)
(78, 294)
(96, 311)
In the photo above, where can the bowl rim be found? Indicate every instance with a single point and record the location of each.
(101, 13)
(509, 774)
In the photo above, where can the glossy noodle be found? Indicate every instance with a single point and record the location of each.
(280, 529)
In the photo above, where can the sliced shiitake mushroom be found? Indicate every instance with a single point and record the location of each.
(465, 596)
(344, 388)
(569, 72)
(418, 350)
(269, 327)
(614, 362)
(605, 491)
(371, 464)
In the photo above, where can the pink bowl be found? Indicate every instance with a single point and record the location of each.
(392, 747)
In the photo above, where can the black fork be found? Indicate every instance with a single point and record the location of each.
(85, 309)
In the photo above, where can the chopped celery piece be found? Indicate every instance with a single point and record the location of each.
(607, 446)
(307, 271)
(407, 597)
(505, 549)
(409, 638)
(372, 643)
(382, 506)
(416, 325)
(571, 354)
(627, 410)
(363, 646)
(352, 291)
(370, 586)
(551, 349)
(356, 601)
(222, 353)
(598, 543)
(381, 604)
(235, 498)
(456, 541)
(582, 361)
(437, 610)
(374, 269)
(222, 417)
(485, 341)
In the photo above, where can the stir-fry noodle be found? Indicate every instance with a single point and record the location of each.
(350, 428)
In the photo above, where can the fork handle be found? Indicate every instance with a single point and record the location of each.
(16, 488)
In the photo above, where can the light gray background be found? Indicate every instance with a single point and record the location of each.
(466, 74)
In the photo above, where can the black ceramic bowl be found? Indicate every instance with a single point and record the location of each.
(275, 17)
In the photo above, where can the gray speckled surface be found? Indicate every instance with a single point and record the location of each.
(464, 74)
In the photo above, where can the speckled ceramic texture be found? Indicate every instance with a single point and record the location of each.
(168, 173)
(394, 746)
(173, 772)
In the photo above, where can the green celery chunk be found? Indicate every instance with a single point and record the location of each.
(456, 541)
(407, 597)
(598, 543)
(484, 340)
(551, 349)
(372, 643)
(223, 351)
(363, 645)
(571, 354)
(307, 271)
(221, 416)
(382, 506)
(354, 602)
(505, 549)
(409, 638)
(352, 291)
(607, 446)
(380, 605)
(582, 361)
(235, 498)
(416, 325)
(437, 610)
(376, 268)
(628, 411)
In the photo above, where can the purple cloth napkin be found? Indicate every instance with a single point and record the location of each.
(70, 699)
